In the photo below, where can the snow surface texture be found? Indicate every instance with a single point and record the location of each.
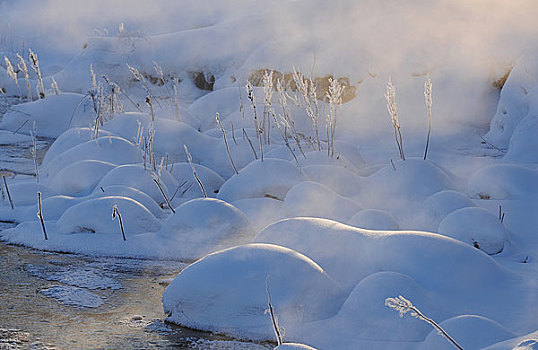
(415, 224)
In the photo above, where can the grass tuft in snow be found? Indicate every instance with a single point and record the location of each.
(390, 95)
(403, 306)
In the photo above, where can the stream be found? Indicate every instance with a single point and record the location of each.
(68, 301)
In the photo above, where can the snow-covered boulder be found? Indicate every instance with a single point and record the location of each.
(80, 178)
(477, 227)
(25, 193)
(312, 199)
(226, 292)
(204, 225)
(134, 175)
(469, 331)
(374, 219)
(95, 215)
(70, 139)
(53, 115)
(442, 203)
(210, 179)
(412, 178)
(111, 149)
(293, 346)
(503, 181)
(224, 101)
(130, 192)
(523, 142)
(271, 178)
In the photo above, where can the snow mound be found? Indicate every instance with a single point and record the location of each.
(469, 331)
(80, 178)
(25, 193)
(341, 180)
(52, 115)
(260, 211)
(513, 103)
(271, 178)
(293, 346)
(523, 141)
(442, 203)
(312, 199)
(53, 207)
(225, 292)
(210, 179)
(111, 149)
(70, 139)
(413, 178)
(204, 225)
(134, 175)
(503, 181)
(133, 193)
(224, 101)
(356, 253)
(477, 227)
(365, 308)
(95, 215)
(374, 219)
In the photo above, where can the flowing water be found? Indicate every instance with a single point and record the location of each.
(66, 301)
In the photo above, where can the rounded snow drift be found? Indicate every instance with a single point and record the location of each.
(312, 199)
(226, 292)
(80, 178)
(374, 219)
(271, 178)
(204, 225)
(95, 215)
(469, 331)
(293, 346)
(477, 227)
(442, 203)
(503, 181)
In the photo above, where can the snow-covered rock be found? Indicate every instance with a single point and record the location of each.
(503, 181)
(226, 292)
(477, 227)
(204, 225)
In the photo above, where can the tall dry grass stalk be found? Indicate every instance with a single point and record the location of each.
(194, 173)
(307, 89)
(258, 128)
(116, 213)
(33, 133)
(390, 95)
(35, 65)
(334, 96)
(7, 192)
(24, 68)
(217, 117)
(429, 102)
(274, 320)
(403, 306)
(13, 75)
(40, 215)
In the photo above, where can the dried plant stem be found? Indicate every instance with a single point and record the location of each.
(8, 194)
(391, 107)
(116, 213)
(259, 129)
(40, 215)
(13, 75)
(217, 117)
(402, 305)
(194, 173)
(274, 319)
(35, 65)
(429, 102)
(34, 151)
(245, 135)
(164, 194)
(22, 66)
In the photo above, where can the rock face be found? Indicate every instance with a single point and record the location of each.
(321, 83)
